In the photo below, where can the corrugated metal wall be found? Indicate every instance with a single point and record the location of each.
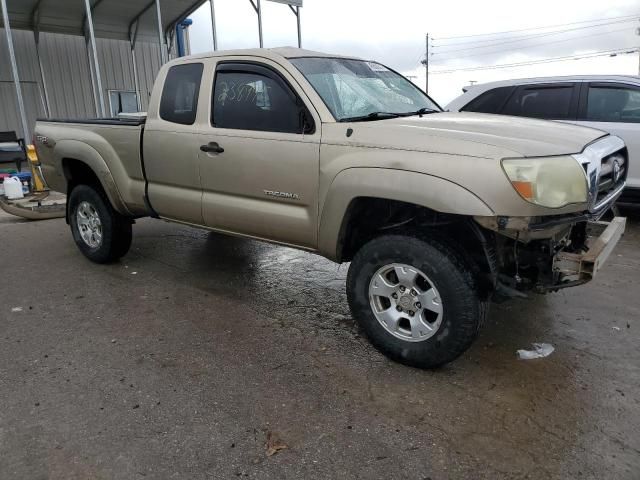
(67, 75)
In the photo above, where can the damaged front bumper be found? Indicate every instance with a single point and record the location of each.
(571, 269)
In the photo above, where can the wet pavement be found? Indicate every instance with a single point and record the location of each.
(180, 360)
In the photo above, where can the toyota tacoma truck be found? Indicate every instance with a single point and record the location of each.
(438, 213)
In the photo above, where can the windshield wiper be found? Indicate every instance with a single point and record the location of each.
(371, 116)
(422, 111)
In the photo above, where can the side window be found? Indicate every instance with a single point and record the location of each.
(490, 101)
(613, 104)
(251, 101)
(179, 100)
(541, 102)
(122, 101)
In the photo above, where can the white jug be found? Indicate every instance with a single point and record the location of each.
(13, 188)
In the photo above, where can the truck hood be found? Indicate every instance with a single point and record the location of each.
(475, 134)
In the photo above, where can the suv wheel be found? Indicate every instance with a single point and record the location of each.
(416, 300)
(101, 233)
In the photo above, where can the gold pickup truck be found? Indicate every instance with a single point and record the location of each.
(439, 213)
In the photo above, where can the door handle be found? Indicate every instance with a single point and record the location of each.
(212, 147)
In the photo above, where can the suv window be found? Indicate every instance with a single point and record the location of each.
(552, 102)
(490, 101)
(252, 101)
(613, 104)
(179, 100)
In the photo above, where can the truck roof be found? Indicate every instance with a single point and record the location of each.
(272, 53)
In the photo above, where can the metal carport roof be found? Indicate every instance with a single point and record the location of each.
(129, 20)
(111, 18)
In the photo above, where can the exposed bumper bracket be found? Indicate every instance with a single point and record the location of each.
(578, 268)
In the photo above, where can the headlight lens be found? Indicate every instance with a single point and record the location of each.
(550, 182)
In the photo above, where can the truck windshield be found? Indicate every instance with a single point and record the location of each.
(356, 90)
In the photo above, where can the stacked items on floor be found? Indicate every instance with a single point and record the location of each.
(25, 193)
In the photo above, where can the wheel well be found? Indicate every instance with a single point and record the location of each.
(78, 173)
(369, 217)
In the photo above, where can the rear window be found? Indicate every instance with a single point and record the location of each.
(179, 100)
(541, 102)
(490, 101)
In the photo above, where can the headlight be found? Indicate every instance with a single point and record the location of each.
(549, 181)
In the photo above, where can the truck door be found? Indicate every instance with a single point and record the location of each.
(259, 155)
(171, 145)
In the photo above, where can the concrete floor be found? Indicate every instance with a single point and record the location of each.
(179, 361)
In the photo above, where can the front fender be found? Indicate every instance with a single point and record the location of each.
(417, 188)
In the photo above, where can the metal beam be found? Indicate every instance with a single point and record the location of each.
(213, 26)
(35, 15)
(14, 70)
(296, 12)
(136, 81)
(84, 18)
(185, 13)
(44, 91)
(140, 13)
(96, 63)
(43, 80)
(160, 33)
(96, 103)
(258, 9)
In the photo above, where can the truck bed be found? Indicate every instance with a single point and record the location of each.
(109, 146)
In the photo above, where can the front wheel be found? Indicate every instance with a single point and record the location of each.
(101, 233)
(416, 300)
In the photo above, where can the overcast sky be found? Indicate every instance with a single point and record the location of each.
(393, 32)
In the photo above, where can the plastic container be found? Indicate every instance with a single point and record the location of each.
(25, 179)
(13, 188)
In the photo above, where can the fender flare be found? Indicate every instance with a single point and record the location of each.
(421, 189)
(85, 153)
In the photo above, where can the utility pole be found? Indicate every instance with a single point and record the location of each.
(425, 62)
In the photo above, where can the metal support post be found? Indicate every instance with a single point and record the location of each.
(92, 77)
(136, 81)
(160, 34)
(299, 31)
(43, 80)
(258, 9)
(296, 12)
(14, 71)
(214, 32)
(96, 63)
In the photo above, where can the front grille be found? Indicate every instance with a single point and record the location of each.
(605, 162)
(613, 173)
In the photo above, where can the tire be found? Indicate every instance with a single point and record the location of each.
(424, 336)
(111, 231)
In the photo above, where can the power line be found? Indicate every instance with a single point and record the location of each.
(536, 28)
(622, 51)
(524, 38)
(537, 44)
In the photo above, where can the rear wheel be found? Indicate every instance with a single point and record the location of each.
(101, 233)
(416, 300)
